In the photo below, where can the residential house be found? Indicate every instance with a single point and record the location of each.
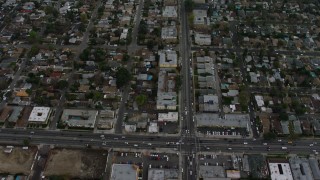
(5, 114)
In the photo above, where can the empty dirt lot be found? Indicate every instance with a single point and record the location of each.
(84, 164)
(18, 161)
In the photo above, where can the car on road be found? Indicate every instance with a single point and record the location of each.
(135, 145)
(245, 143)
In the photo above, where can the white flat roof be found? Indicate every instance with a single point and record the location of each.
(39, 114)
(280, 171)
(170, 116)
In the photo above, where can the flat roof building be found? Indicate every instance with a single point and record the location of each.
(314, 165)
(202, 39)
(16, 112)
(163, 174)
(166, 95)
(39, 115)
(209, 103)
(168, 117)
(280, 170)
(211, 172)
(230, 120)
(169, 34)
(168, 59)
(124, 172)
(300, 168)
(79, 117)
(170, 12)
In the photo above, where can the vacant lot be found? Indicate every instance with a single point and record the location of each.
(84, 164)
(18, 161)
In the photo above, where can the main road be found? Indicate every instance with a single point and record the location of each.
(188, 149)
(83, 139)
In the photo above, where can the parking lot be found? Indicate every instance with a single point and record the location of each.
(146, 160)
(215, 160)
(222, 131)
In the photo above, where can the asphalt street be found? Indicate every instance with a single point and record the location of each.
(189, 148)
(131, 49)
(83, 139)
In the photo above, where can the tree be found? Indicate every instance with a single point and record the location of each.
(85, 54)
(283, 116)
(28, 91)
(51, 10)
(150, 44)
(97, 96)
(269, 136)
(189, 5)
(244, 98)
(26, 142)
(33, 37)
(123, 77)
(84, 17)
(141, 99)
(62, 84)
(125, 57)
(143, 28)
(33, 51)
(71, 97)
(100, 55)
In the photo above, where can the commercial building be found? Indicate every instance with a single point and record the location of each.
(280, 170)
(202, 39)
(124, 172)
(163, 174)
(15, 114)
(168, 117)
(229, 121)
(314, 165)
(153, 127)
(79, 118)
(39, 115)
(300, 168)
(212, 172)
